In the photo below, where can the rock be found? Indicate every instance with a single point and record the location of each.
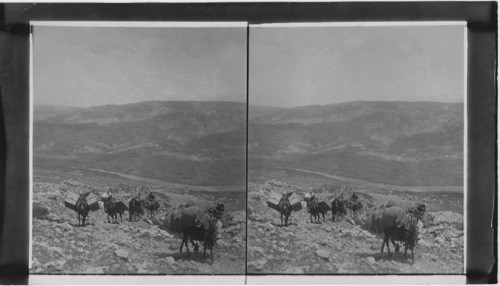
(294, 270)
(280, 249)
(53, 217)
(347, 235)
(40, 211)
(56, 265)
(170, 260)
(95, 270)
(35, 263)
(258, 264)
(58, 250)
(323, 254)
(122, 253)
(358, 221)
(370, 259)
(255, 216)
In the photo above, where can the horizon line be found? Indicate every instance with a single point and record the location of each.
(254, 105)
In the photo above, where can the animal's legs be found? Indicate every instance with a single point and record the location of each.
(185, 242)
(195, 245)
(388, 248)
(396, 245)
(386, 242)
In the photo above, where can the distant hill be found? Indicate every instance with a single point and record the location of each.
(400, 143)
(198, 143)
(42, 112)
(259, 111)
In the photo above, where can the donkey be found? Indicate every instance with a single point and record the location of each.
(82, 208)
(285, 209)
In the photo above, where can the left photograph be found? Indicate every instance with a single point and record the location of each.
(138, 148)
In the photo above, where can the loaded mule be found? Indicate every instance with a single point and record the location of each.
(201, 225)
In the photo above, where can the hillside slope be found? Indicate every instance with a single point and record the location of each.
(401, 143)
(201, 143)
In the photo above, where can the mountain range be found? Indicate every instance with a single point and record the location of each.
(399, 143)
(204, 143)
(196, 143)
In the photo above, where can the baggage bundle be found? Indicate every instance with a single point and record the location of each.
(121, 207)
(324, 207)
(295, 202)
(274, 200)
(70, 201)
(92, 202)
(72, 198)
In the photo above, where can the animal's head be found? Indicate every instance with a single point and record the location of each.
(421, 208)
(81, 203)
(414, 233)
(217, 211)
(307, 197)
(284, 203)
(213, 231)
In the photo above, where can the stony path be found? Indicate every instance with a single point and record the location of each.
(344, 246)
(142, 247)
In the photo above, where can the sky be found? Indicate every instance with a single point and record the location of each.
(90, 66)
(298, 66)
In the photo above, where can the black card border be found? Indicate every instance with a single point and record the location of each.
(481, 18)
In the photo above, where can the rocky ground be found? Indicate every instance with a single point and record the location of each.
(142, 247)
(345, 246)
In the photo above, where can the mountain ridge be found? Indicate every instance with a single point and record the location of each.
(172, 141)
(412, 143)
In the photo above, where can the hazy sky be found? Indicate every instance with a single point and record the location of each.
(88, 66)
(324, 65)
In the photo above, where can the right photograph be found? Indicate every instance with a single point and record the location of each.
(357, 148)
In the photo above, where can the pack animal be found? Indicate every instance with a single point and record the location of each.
(355, 207)
(285, 209)
(151, 207)
(111, 210)
(339, 209)
(200, 225)
(135, 209)
(208, 237)
(313, 209)
(82, 208)
(397, 225)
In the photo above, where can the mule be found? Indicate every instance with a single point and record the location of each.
(82, 208)
(398, 225)
(135, 209)
(110, 209)
(313, 209)
(285, 209)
